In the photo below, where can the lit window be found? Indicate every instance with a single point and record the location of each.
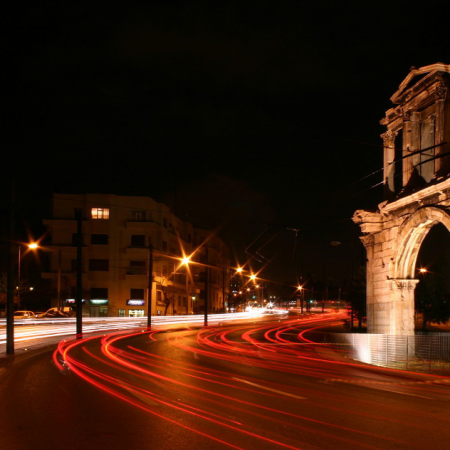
(100, 213)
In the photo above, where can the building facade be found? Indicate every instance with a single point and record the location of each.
(123, 236)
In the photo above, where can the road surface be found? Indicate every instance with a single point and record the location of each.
(259, 384)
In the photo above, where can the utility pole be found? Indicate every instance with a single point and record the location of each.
(223, 289)
(10, 277)
(18, 276)
(150, 286)
(59, 279)
(206, 286)
(187, 291)
(79, 299)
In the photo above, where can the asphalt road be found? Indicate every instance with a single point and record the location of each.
(254, 385)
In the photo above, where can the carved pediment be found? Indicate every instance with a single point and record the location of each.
(422, 71)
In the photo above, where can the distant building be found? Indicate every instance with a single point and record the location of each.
(213, 256)
(117, 234)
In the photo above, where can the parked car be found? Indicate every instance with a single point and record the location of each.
(24, 315)
(53, 314)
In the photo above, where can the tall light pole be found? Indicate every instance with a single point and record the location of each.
(31, 246)
(206, 288)
(34, 246)
(150, 287)
(10, 273)
(185, 261)
(302, 291)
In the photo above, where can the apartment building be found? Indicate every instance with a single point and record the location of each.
(212, 274)
(121, 235)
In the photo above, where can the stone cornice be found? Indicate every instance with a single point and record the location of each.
(419, 196)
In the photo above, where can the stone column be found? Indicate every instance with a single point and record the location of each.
(368, 242)
(401, 298)
(441, 93)
(389, 166)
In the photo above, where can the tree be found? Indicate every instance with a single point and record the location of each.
(432, 294)
(168, 299)
(18, 291)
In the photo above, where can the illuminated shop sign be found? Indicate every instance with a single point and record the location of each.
(72, 300)
(98, 301)
(135, 302)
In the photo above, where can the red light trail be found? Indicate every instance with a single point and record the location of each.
(211, 390)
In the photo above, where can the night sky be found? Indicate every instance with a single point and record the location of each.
(235, 114)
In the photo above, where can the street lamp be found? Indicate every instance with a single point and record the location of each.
(302, 292)
(31, 246)
(34, 246)
(185, 262)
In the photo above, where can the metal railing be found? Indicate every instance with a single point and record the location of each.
(419, 353)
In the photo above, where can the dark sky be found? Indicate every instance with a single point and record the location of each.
(236, 114)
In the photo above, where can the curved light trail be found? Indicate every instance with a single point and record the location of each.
(228, 384)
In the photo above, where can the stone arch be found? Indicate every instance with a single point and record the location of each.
(410, 237)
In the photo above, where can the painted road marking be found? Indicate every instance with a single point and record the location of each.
(270, 389)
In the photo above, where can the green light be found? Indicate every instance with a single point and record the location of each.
(98, 302)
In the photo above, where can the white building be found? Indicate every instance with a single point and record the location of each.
(118, 233)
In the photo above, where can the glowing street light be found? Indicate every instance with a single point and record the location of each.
(302, 291)
(185, 262)
(32, 246)
(423, 270)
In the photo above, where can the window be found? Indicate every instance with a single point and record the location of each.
(164, 271)
(138, 240)
(121, 313)
(136, 313)
(137, 294)
(99, 265)
(99, 293)
(138, 216)
(100, 213)
(99, 239)
(164, 246)
(159, 296)
(164, 222)
(137, 268)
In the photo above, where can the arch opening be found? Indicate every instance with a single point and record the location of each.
(433, 272)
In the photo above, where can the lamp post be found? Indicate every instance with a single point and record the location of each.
(302, 292)
(31, 246)
(34, 246)
(150, 287)
(206, 288)
(185, 261)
